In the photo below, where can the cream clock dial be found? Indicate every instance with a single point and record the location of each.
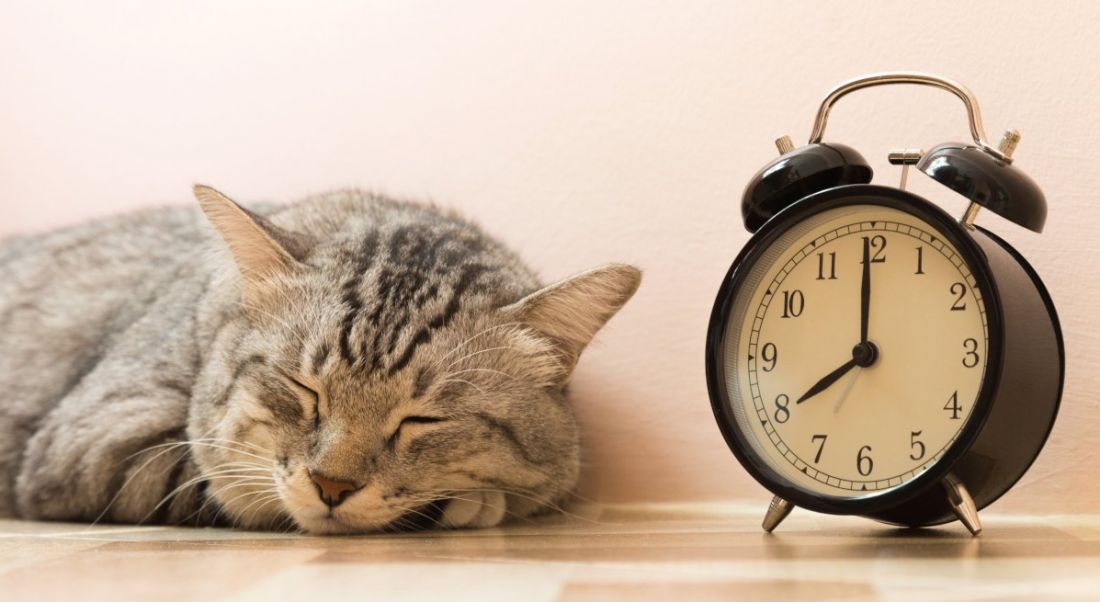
(856, 350)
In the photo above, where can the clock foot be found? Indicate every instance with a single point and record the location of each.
(778, 510)
(962, 503)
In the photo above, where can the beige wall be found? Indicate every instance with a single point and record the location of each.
(580, 132)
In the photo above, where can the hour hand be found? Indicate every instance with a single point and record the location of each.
(829, 379)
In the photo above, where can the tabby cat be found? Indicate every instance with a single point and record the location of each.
(346, 363)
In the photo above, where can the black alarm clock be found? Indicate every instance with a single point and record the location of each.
(868, 354)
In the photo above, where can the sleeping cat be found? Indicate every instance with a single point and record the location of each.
(347, 363)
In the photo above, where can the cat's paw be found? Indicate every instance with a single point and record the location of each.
(475, 510)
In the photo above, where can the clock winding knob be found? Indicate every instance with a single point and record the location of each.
(784, 144)
(1008, 143)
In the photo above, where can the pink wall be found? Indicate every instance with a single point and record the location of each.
(580, 132)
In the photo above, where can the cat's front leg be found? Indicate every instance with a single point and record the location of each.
(109, 454)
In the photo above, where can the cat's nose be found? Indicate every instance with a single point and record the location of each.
(332, 492)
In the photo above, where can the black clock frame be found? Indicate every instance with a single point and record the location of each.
(1010, 421)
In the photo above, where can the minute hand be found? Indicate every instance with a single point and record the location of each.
(826, 382)
(865, 291)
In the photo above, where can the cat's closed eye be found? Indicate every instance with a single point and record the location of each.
(412, 422)
(310, 394)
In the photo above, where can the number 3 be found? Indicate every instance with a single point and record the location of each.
(971, 358)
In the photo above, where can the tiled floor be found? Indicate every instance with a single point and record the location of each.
(636, 553)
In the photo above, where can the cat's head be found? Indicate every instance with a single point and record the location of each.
(350, 400)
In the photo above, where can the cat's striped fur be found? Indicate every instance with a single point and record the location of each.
(151, 372)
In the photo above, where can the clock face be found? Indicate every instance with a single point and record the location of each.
(855, 350)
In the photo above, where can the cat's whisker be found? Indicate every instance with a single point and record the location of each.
(281, 322)
(457, 495)
(186, 443)
(401, 521)
(507, 512)
(469, 355)
(242, 481)
(467, 341)
(463, 472)
(204, 477)
(202, 507)
(236, 470)
(528, 495)
(459, 380)
(490, 370)
(277, 515)
(230, 449)
(292, 522)
(239, 468)
(583, 499)
(262, 501)
(245, 494)
(289, 524)
(167, 448)
(220, 474)
(250, 463)
(232, 442)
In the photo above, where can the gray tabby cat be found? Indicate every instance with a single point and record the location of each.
(343, 364)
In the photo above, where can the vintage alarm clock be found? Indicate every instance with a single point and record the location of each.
(867, 353)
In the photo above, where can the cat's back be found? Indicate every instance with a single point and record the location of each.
(103, 258)
(64, 294)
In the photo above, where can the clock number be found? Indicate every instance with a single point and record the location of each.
(953, 406)
(820, 441)
(971, 358)
(782, 412)
(958, 289)
(793, 303)
(915, 445)
(920, 260)
(864, 464)
(770, 355)
(877, 245)
(821, 266)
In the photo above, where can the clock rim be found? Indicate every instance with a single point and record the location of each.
(833, 198)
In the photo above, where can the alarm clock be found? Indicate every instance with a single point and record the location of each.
(868, 354)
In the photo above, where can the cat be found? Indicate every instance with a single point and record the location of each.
(347, 363)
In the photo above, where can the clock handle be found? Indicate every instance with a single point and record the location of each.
(974, 114)
(778, 510)
(961, 503)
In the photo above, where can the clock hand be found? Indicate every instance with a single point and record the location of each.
(847, 390)
(865, 291)
(829, 379)
(863, 355)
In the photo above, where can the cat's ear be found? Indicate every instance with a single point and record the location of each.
(260, 249)
(570, 312)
